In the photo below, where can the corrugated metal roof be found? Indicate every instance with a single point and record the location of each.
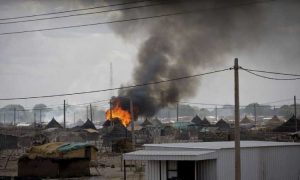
(221, 145)
(170, 155)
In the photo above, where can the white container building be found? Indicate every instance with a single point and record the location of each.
(260, 160)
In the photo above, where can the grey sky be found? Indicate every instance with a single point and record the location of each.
(74, 60)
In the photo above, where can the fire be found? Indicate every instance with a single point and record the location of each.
(118, 112)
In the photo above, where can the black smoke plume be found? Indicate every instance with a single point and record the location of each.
(184, 45)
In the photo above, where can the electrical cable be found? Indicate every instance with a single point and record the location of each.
(271, 78)
(132, 19)
(118, 88)
(269, 72)
(88, 13)
(73, 10)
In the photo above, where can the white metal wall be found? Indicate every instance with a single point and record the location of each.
(152, 170)
(206, 170)
(264, 163)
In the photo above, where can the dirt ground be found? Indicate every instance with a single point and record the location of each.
(108, 167)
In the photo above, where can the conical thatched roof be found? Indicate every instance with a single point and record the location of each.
(88, 125)
(146, 123)
(205, 122)
(53, 124)
(289, 126)
(197, 120)
(246, 120)
(118, 132)
(221, 124)
(275, 121)
(156, 122)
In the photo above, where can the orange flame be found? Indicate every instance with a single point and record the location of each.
(118, 112)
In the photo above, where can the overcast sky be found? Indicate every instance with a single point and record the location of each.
(78, 59)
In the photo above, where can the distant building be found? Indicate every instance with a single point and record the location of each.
(260, 160)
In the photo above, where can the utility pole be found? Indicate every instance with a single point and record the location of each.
(64, 114)
(14, 116)
(110, 113)
(41, 116)
(34, 119)
(74, 119)
(132, 123)
(295, 111)
(237, 121)
(177, 111)
(216, 113)
(91, 111)
(87, 112)
(255, 118)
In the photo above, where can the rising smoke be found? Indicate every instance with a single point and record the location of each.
(184, 45)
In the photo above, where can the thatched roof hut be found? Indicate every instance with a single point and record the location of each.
(117, 133)
(197, 120)
(289, 126)
(146, 123)
(156, 122)
(53, 124)
(246, 120)
(222, 125)
(205, 122)
(274, 122)
(88, 125)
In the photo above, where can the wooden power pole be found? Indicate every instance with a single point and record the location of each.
(14, 116)
(132, 123)
(64, 113)
(177, 112)
(91, 112)
(295, 111)
(237, 121)
(255, 116)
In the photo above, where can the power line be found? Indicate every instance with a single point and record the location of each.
(74, 10)
(88, 13)
(136, 18)
(118, 88)
(270, 72)
(271, 78)
(278, 101)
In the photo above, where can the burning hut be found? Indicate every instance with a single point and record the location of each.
(53, 124)
(118, 132)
